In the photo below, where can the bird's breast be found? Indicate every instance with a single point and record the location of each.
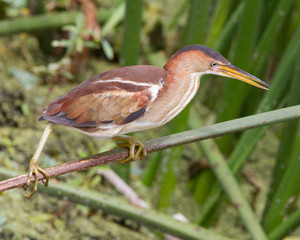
(178, 93)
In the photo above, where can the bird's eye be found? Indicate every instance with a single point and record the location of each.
(214, 64)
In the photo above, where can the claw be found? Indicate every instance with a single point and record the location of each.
(131, 143)
(34, 169)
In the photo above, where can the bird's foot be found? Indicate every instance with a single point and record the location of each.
(34, 169)
(131, 143)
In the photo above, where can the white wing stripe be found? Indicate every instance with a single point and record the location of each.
(154, 91)
(120, 80)
(153, 88)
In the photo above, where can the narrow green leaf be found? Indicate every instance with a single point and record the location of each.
(289, 133)
(194, 33)
(233, 192)
(178, 14)
(116, 16)
(285, 175)
(245, 41)
(250, 138)
(221, 12)
(117, 207)
(285, 191)
(158, 59)
(171, 163)
(226, 32)
(152, 169)
(130, 52)
(203, 185)
(45, 21)
(107, 48)
(195, 30)
(170, 167)
(229, 27)
(292, 222)
(266, 42)
(132, 28)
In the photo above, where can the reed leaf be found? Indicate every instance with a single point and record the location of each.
(286, 227)
(285, 180)
(250, 138)
(233, 192)
(116, 206)
(194, 33)
(130, 51)
(132, 29)
(229, 27)
(195, 29)
(152, 169)
(269, 101)
(245, 41)
(266, 41)
(220, 167)
(45, 21)
(219, 18)
(288, 188)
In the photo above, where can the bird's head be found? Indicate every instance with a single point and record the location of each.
(204, 60)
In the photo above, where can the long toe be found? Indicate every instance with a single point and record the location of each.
(131, 143)
(45, 181)
(34, 169)
(143, 153)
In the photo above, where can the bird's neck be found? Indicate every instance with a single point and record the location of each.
(187, 62)
(180, 89)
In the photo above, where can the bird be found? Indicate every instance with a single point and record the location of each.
(134, 98)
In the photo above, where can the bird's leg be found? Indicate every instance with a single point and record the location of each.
(131, 143)
(34, 167)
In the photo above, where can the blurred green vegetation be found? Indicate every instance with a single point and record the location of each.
(46, 48)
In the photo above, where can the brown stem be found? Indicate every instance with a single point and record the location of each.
(211, 131)
(92, 161)
(113, 156)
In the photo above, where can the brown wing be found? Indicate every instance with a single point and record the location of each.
(119, 96)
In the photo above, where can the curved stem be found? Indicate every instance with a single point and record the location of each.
(212, 131)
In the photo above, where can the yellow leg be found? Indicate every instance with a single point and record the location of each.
(131, 143)
(34, 168)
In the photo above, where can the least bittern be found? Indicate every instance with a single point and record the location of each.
(134, 98)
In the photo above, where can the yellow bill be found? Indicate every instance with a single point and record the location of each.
(234, 72)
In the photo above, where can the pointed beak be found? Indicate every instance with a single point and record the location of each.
(234, 72)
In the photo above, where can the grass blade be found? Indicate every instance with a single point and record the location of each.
(130, 52)
(115, 206)
(194, 33)
(178, 14)
(233, 192)
(266, 42)
(229, 27)
(152, 168)
(195, 30)
(288, 225)
(212, 131)
(289, 133)
(250, 138)
(116, 16)
(132, 28)
(285, 175)
(221, 12)
(287, 189)
(270, 100)
(246, 37)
